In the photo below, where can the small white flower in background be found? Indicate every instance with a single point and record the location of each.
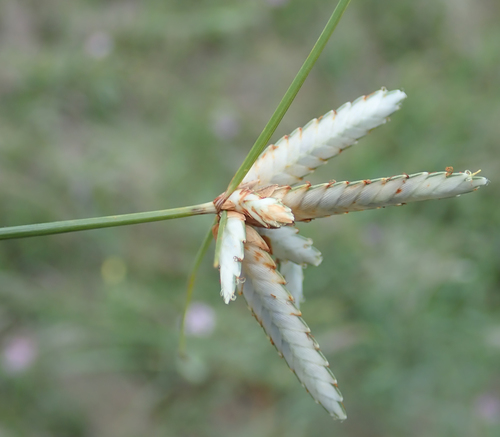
(200, 320)
(261, 253)
(19, 354)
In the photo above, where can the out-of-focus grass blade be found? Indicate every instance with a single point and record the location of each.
(190, 286)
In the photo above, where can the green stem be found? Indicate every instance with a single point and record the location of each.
(190, 286)
(220, 233)
(288, 98)
(104, 222)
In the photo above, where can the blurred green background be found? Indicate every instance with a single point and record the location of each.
(126, 106)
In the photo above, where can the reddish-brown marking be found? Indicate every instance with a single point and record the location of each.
(449, 171)
(271, 266)
(407, 175)
(268, 242)
(300, 132)
(367, 181)
(299, 314)
(398, 190)
(273, 147)
(273, 296)
(219, 201)
(215, 230)
(319, 118)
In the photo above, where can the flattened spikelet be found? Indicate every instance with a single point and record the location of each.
(231, 254)
(300, 153)
(309, 202)
(273, 307)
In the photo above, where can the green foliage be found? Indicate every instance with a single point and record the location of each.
(112, 107)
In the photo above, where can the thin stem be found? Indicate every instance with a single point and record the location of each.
(288, 98)
(104, 222)
(190, 286)
(220, 233)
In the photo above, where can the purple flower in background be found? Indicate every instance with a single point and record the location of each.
(277, 3)
(18, 354)
(98, 45)
(487, 407)
(225, 125)
(200, 320)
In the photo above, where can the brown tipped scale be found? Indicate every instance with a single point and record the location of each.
(262, 211)
(294, 277)
(273, 306)
(309, 202)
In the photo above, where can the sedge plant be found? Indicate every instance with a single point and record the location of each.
(259, 252)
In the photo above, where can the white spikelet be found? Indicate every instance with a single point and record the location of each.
(231, 255)
(287, 244)
(274, 308)
(300, 153)
(309, 202)
(294, 277)
(265, 211)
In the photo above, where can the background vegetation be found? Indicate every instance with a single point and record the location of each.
(124, 106)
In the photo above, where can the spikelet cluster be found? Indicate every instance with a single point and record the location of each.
(259, 232)
(243, 206)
